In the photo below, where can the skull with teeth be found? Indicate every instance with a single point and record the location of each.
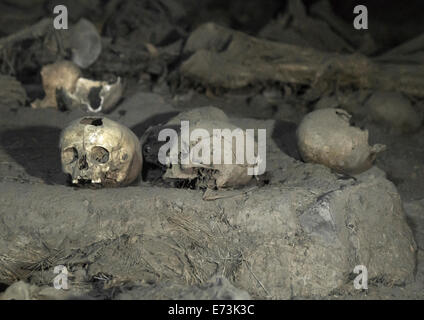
(100, 151)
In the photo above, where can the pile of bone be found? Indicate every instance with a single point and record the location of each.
(96, 150)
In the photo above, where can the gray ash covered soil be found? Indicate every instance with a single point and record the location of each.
(152, 240)
(31, 176)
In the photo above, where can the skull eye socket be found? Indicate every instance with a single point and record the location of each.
(69, 155)
(99, 154)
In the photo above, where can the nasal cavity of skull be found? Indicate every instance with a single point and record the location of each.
(92, 121)
(99, 154)
(82, 163)
(94, 98)
(69, 155)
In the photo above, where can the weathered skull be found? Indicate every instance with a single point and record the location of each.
(211, 175)
(98, 150)
(66, 89)
(393, 110)
(202, 113)
(327, 137)
(96, 96)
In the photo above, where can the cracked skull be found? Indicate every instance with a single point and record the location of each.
(329, 137)
(210, 174)
(100, 151)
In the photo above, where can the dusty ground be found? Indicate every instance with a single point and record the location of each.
(147, 44)
(29, 155)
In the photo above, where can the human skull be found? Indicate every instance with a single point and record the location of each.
(96, 96)
(197, 114)
(327, 137)
(100, 151)
(211, 175)
(393, 110)
(66, 89)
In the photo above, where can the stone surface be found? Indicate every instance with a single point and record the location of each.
(300, 235)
